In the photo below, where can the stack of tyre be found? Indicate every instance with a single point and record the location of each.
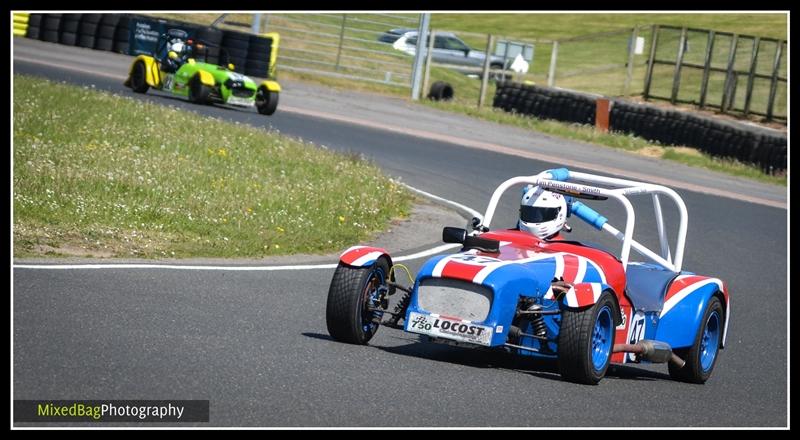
(258, 55)
(545, 103)
(235, 45)
(34, 26)
(752, 145)
(94, 31)
(212, 37)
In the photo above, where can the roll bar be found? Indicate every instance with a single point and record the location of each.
(618, 189)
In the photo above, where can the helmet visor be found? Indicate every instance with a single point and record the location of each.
(536, 214)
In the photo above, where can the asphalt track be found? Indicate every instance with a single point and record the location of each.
(255, 343)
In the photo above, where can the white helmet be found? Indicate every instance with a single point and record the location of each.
(177, 47)
(541, 212)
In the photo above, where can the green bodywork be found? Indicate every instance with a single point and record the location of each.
(226, 86)
(179, 83)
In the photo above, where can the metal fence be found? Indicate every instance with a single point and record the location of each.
(343, 45)
(733, 73)
(609, 63)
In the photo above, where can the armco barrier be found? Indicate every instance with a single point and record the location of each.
(133, 34)
(719, 138)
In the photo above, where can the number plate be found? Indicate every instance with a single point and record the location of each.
(449, 328)
(235, 100)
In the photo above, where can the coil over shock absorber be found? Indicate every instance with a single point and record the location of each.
(537, 321)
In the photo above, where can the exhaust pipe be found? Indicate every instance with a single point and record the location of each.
(653, 351)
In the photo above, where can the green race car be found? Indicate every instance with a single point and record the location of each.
(183, 71)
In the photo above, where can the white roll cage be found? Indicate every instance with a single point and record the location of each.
(617, 189)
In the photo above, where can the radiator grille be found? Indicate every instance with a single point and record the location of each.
(456, 298)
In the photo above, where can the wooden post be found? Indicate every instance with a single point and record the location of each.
(631, 52)
(601, 115)
(773, 86)
(341, 40)
(485, 75)
(706, 68)
(676, 79)
(750, 76)
(726, 90)
(648, 77)
(551, 74)
(428, 56)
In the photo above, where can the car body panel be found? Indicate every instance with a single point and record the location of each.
(363, 256)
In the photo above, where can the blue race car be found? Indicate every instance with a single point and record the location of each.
(529, 291)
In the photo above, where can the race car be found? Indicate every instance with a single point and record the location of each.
(181, 69)
(509, 289)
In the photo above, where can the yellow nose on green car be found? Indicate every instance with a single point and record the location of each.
(204, 83)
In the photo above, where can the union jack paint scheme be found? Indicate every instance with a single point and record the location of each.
(550, 298)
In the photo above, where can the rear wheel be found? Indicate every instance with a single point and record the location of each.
(266, 101)
(351, 299)
(198, 92)
(585, 341)
(138, 81)
(702, 355)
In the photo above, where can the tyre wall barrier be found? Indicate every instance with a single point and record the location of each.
(718, 138)
(133, 34)
(21, 20)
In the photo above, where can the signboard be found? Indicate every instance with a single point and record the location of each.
(144, 34)
(510, 49)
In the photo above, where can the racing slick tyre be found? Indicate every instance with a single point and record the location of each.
(198, 92)
(347, 315)
(702, 355)
(585, 341)
(138, 81)
(266, 101)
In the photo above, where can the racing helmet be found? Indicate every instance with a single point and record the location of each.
(178, 47)
(542, 213)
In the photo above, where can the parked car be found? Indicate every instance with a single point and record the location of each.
(449, 49)
(530, 291)
(392, 35)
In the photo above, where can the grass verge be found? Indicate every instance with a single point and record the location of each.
(627, 142)
(105, 175)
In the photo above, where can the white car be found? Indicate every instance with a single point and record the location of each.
(449, 49)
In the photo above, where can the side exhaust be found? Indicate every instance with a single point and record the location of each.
(653, 351)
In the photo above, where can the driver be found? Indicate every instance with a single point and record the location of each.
(542, 213)
(176, 56)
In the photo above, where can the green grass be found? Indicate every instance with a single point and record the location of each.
(616, 140)
(100, 174)
(562, 26)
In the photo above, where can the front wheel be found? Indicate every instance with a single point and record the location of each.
(137, 81)
(585, 341)
(198, 92)
(702, 355)
(350, 312)
(266, 101)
